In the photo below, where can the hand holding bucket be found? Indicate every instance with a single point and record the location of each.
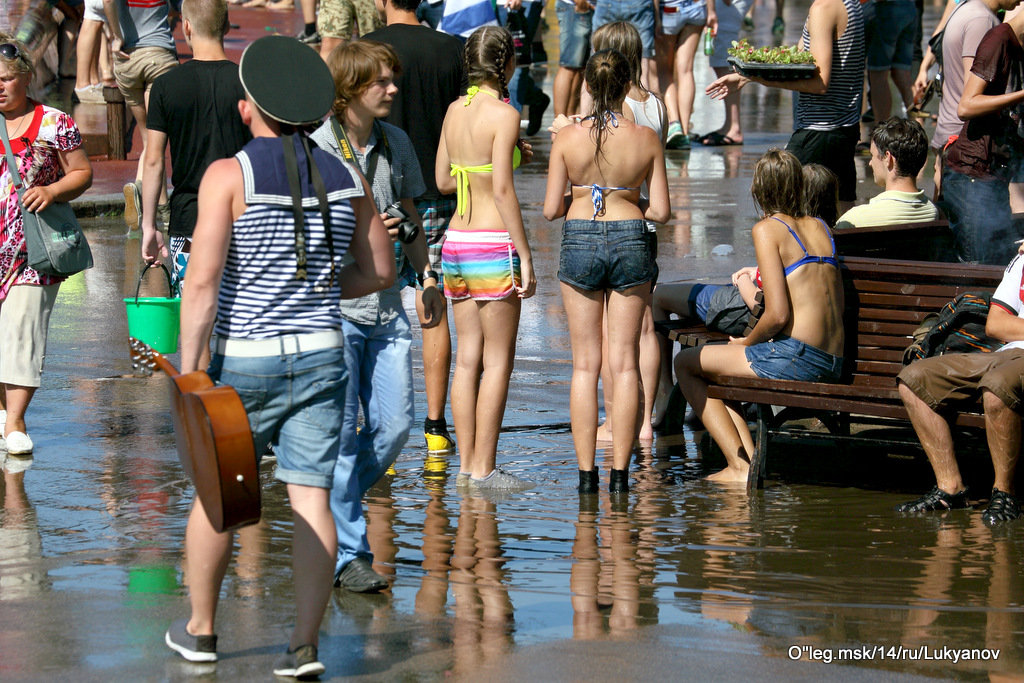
(155, 320)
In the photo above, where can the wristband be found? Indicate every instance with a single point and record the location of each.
(426, 275)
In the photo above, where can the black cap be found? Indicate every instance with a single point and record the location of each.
(287, 80)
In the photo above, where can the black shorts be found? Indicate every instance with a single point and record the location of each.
(833, 149)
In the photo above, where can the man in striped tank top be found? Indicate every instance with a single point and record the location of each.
(826, 111)
(265, 276)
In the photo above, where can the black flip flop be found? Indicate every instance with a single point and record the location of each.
(716, 139)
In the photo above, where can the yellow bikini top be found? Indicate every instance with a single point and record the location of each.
(461, 173)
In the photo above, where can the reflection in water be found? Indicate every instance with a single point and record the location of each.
(22, 574)
(483, 611)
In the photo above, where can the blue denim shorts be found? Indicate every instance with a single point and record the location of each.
(573, 35)
(688, 13)
(787, 358)
(700, 297)
(640, 13)
(890, 35)
(600, 255)
(296, 401)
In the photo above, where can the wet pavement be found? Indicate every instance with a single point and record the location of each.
(815, 577)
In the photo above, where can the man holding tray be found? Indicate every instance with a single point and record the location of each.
(826, 117)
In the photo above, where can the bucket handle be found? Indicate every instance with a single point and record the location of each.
(146, 269)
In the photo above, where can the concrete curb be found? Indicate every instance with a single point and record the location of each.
(93, 206)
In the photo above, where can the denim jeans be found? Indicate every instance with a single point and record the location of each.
(573, 35)
(640, 13)
(379, 361)
(979, 216)
(296, 401)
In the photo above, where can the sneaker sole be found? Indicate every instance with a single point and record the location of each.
(311, 669)
(190, 655)
(132, 206)
(438, 444)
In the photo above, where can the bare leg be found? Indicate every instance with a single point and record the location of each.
(731, 128)
(499, 321)
(936, 439)
(584, 311)
(693, 366)
(625, 317)
(881, 98)
(650, 371)
(437, 362)
(604, 430)
(15, 401)
(466, 382)
(1003, 431)
(207, 553)
(314, 545)
(904, 81)
(689, 38)
(567, 90)
(665, 51)
(88, 52)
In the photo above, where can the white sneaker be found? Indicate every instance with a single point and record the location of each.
(18, 443)
(90, 94)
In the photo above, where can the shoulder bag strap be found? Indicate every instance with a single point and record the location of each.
(12, 161)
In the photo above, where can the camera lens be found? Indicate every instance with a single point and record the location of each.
(407, 231)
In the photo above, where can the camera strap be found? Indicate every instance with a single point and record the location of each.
(348, 151)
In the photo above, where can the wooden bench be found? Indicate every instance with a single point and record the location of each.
(886, 300)
(926, 241)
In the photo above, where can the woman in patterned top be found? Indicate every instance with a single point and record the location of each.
(54, 167)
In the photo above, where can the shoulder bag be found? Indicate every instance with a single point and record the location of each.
(55, 242)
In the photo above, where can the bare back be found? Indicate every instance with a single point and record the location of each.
(629, 154)
(482, 134)
(813, 290)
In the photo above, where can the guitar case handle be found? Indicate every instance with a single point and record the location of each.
(146, 268)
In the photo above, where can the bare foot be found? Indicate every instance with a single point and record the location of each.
(282, 5)
(729, 476)
(646, 433)
(604, 431)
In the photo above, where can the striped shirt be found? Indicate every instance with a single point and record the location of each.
(260, 297)
(840, 105)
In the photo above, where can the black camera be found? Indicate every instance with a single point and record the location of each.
(407, 230)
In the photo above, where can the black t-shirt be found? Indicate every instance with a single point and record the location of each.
(990, 145)
(196, 106)
(432, 78)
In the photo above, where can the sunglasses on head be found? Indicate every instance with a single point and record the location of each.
(9, 51)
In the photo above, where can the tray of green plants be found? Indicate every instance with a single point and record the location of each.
(780, 63)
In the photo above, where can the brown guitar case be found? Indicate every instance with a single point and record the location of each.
(214, 443)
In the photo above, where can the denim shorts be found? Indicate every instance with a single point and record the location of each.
(640, 13)
(890, 35)
(700, 297)
(296, 401)
(787, 358)
(688, 13)
(600, 255)
(573, 35)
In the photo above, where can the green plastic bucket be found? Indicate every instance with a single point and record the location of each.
(155, 320)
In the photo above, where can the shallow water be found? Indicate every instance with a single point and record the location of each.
(681, 579)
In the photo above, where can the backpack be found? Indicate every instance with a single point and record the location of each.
(958, 328)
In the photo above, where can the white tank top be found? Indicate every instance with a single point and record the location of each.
(648, 113)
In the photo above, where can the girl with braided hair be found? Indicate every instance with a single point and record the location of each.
(606, 256)
(486, 259)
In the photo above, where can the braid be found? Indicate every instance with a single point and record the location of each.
(501, 63)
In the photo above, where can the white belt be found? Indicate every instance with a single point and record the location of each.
(278, 346)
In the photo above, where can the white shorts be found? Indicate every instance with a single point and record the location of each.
(94, 10)
(24, 320)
